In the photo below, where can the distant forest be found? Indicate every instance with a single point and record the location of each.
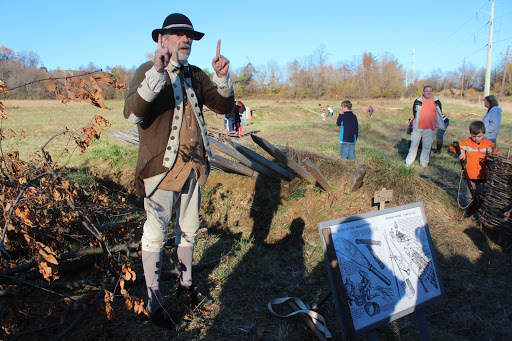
(309, 78)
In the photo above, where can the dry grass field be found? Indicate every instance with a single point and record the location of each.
(267, 228)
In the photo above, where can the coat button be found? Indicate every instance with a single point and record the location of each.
(172, 137)
(177, 98)
(177, 117)
(166, 159)
(174, 128)
(169, 148)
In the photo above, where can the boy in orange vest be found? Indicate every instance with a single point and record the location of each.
(474, 150)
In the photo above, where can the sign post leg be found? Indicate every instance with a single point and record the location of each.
(422, 324)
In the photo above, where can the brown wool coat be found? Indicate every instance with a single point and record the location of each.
(155, 129)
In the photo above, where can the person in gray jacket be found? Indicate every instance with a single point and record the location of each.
(492, 118)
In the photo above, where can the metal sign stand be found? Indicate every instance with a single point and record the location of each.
(393, 220)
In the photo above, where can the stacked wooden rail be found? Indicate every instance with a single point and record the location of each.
(246, 161)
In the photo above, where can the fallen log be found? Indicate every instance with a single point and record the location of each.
(261, 160)
(310, 167)
(283, 158)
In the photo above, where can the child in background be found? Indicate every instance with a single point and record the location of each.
(370, 111)
(331, 112)
(474, 150)
(349, 131)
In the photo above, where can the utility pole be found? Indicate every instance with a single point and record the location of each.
(414, 63)
(504, 75)
(462, 83)
(487, 86)
(406, 72)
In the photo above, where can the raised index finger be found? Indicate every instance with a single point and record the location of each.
(159, 40)
(218, 48)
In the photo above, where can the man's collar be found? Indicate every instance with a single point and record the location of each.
(173, 66)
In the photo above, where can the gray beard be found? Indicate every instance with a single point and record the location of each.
(182, 57)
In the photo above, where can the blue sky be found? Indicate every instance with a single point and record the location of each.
(69, 34)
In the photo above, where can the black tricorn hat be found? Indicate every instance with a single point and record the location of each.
(177, 22)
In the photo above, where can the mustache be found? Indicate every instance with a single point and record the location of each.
(184, 46)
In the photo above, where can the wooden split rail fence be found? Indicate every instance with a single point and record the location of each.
(245, 160)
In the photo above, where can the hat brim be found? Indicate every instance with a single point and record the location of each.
(195, 35)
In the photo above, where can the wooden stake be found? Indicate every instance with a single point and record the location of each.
(310, 167)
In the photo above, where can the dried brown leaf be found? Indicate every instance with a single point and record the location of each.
(49, 271)
(26, 215)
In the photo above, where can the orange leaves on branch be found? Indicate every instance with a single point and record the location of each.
(134, 303)
(3, 87)
(3, 113)
(63, 98)
(108, 299)
(48, 267)
(128, 274)
(108, 79)
(80, 87)
(131, 303)
(92, 131)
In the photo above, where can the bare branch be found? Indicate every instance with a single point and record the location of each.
(52, 78)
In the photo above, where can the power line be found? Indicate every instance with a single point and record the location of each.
(457, 30)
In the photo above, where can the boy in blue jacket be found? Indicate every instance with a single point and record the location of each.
(349, 131)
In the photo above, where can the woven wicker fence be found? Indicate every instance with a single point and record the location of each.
(498, 195)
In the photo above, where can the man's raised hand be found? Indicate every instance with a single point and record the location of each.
(162, 56)
(220, 63)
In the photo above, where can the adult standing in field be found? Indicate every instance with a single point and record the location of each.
(427, 112)
(349, 131)
(165, 99)
(440, 134)
(492, 118)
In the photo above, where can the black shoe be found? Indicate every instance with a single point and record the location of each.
(165, 318)
(191, 297)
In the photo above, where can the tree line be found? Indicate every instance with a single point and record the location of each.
(367, 76)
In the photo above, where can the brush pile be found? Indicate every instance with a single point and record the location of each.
(498, 196)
